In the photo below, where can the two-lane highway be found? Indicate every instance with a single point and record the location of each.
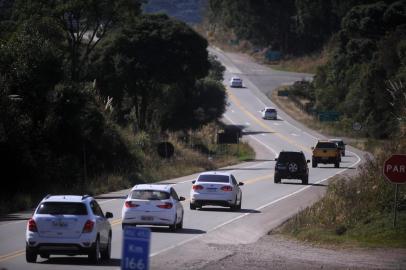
(268, 137)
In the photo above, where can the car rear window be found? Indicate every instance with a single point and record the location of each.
(150, 195)
(339, 143)
(270, 110)
(214, 178)
(326, 145)
(290, 156)
(62, 208)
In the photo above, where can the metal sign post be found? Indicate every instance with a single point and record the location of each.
(395, 205)
(394, 170)
(136, 247)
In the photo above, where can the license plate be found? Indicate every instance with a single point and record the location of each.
(211, 189)
(324, 158)
(147, 218)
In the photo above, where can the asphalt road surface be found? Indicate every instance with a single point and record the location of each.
(264, 205)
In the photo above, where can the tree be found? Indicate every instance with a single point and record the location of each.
(83, 22)
(144, 62)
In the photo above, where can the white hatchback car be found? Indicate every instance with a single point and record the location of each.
(269, 113)
(154, 204)
(216, 188)
(235, 82)
(69, 225)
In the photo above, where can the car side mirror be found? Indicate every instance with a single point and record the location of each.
(240, 183)
(308, 161)
(181, 198)
(109, 215)
(276, 159)
(194, 181)
(312, 147)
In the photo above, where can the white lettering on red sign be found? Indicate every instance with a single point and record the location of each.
(396, 168)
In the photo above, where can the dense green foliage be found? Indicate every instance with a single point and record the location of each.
(81, 80)
(366, 43)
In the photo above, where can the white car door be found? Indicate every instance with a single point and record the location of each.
(179, 207)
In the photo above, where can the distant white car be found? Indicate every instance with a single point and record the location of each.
(235, 82)
(269, 113)
(68, 225)
(216, 188)
(154, 204)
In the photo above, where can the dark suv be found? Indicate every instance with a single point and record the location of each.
(291, 165)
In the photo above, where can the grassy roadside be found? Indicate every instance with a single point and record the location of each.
(356, 211)
(199, 152)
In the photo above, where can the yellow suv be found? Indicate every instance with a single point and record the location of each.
(326, 152)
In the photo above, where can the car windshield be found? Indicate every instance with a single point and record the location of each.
(290, 156)
(326, 145)
(62, 208)
(339, 143)
(214, 178)
(150, 195)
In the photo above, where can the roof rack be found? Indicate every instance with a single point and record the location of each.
(85, 196)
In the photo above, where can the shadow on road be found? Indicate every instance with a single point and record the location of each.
(16, 217)
(110, 197)
(256, 132)
(300, 184)
(178, 231)
(244, 169)
(80, 261)
(218, 209)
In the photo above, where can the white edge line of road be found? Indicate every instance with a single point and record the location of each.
(257, 209)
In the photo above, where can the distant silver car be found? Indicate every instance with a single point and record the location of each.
(235, 82)
(269, 113)
(216, 188)
(154, 204)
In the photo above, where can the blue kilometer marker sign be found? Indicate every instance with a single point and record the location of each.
(136, 245)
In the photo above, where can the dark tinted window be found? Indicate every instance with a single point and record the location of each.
(290, 156)
(214, 178)
(150, 195)
(96, 209)
(326, 145)
(62, 208)
(270, 110)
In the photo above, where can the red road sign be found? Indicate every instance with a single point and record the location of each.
(394, 169)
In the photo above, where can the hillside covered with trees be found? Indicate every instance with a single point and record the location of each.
(364, 79)
(80, 81)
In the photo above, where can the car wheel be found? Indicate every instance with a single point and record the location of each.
(305, 180)
(277, 180)
(234, 206)
(30, 255)
(192, 206)
(292, 167)
(44, 256)
(314, 164)
(174, 225)
(239, 205)
(94, 254)
(337, 165)
(106, 253)
(180, 225)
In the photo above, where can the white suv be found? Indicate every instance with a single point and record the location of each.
(69, 225)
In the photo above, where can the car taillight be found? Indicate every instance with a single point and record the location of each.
(32, 226)
(167, 205)
(130, 204)
(88, 226)
(226, 188)
(197, 187)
